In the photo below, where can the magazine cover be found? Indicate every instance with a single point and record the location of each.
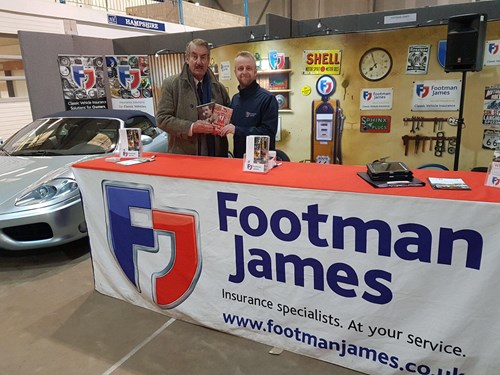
(130, 143)
(214, 113)
(205, 111)
(221, 115)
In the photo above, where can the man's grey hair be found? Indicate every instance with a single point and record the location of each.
(197, 42)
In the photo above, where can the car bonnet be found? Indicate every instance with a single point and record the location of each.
(17, 173)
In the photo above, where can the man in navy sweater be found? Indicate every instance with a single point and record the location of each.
(255, 110)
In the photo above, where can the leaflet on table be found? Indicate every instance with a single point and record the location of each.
(136, 161)
(258, 157)
(130, 143)
(448, 183)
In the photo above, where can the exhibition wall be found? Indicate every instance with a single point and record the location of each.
(40, 53)
(364, 147)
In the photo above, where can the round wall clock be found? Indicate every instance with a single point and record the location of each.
(375, 64)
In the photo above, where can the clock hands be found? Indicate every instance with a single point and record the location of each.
(374, 62)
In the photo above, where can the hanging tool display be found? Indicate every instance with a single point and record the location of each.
(440, 143)
(417, 123)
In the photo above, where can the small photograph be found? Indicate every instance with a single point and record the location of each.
(206, 112)
(261, 150)
(134, 139)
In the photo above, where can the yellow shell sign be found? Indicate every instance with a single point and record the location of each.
(322, 61)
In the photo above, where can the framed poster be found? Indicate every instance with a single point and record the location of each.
(418, 59)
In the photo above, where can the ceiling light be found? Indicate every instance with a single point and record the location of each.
(252, 37)
(160, 51)
(319, 25)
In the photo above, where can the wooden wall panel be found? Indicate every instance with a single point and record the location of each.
(163, 66)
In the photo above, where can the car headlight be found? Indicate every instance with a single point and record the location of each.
(54, 189)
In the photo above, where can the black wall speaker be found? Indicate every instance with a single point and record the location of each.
(465, 43)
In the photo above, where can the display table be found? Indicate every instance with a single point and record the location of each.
(307, 257)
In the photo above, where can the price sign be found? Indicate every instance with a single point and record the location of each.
(491, 139)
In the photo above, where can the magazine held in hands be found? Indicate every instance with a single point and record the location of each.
(216, 114)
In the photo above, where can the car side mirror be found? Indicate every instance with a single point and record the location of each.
(146, 139)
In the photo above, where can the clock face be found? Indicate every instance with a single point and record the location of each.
(375, 64)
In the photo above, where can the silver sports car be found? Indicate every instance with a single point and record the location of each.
(40, 204)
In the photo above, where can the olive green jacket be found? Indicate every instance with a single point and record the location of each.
(177, 111)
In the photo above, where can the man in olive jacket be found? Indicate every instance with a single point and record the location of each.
(181, 94)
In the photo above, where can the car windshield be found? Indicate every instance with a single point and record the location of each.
(64, 136)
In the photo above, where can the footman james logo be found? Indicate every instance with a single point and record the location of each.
(367, 95)
(276, 60)
(325, 86)
(83, 77)
(422, 90)
(128, 77)
(493, 48)
(168, 236)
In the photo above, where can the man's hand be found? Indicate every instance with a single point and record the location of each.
(203, 127)
(227, 129)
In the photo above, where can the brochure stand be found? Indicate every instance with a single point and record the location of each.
(130, 143)
(258, 157)
(493, 175)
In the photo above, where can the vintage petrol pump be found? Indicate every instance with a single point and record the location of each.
(327, 124)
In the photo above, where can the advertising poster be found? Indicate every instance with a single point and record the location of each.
(443, 95)
(491, 107)
(492, 52)
(225, 71)
(130, 83)
(418, 59)
(375, 124)
(376, 99)
(322, 61)
(82, 79)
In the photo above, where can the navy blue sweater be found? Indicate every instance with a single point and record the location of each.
(255, 112)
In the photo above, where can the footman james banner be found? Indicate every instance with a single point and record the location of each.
(364, 281)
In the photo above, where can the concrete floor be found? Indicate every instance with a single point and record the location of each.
(53, 322)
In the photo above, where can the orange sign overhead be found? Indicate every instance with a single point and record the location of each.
(322, 61)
